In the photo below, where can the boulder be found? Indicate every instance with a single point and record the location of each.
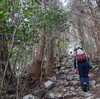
(97, 85)
(65, 83)
(93, 83)
(62, 68)
(96, 69)
(39, 93)
(51, 95)
(63, 76)
(72, 88)
(69, 78)
(74, 83)
(88, 94)
(53, 78)
(69, 95)
(91, 75)
(49, 85)
(58, 73)
(62, 82)
(90, 97)
(30, 97)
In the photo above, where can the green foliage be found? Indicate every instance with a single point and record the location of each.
(3, 13)
(53, 18)
(26, 19)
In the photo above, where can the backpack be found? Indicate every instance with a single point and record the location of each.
(81, 55)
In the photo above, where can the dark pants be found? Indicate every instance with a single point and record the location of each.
(83, 68)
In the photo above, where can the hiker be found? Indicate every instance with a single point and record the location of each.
(81, 65)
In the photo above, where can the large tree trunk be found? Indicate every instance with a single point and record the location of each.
(37, 63)
(81, 33)
(96, 28)
(36, 68)
(50, 57)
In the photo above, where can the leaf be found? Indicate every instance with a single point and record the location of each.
(6, 13)
(2, 3)
(37, 2)
(4, 18)
(1, 0)
(1, 12)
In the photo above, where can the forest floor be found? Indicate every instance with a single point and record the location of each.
(63, 83)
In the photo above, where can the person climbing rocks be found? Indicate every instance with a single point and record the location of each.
(82, 66)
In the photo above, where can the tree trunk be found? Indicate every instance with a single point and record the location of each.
(37, 63)
(50, 58)
(36, 68)
(81, 32)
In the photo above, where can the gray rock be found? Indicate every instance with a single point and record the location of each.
(74, 83)
(63, 63)
(76, 77)
(69, 78)
(49, 85)
(58, 95)
(79, 89)
(66, 84)
(72, 72)
(64, 89)
(53, 78)
(54, 95)
(62, 68)
(91, 97)
(51, 95)
(59, 82)
(88, 94)
(69, 95)
(70, 60)
(96, 68)
(55, 70)
(97, 85)
(62, 82)
(91, 75)
(58, 65)
(58, 73)
(68, 66)
(64, 71)
(63, 76)
(30, 97)
(81, 93)
(72, 88)
(39, 93)
(93, 83)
